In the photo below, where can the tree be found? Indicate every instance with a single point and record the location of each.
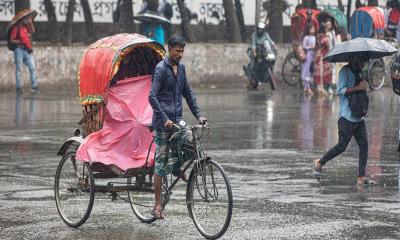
(373, 3)
(240, 18)
(69, 22)
(185, 21)
(52, 21)
(152, 5)
(359, 4)
(87, 13)
(126, 16)
(310, 4)
(232, 25)
(348, 11)
(340, 5)
(21, 5)
(275, 9)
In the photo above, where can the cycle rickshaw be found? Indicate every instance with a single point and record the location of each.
(114, 153)
(369, 22)
(291, 68)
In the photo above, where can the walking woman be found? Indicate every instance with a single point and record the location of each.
(307, 67)
(323, 69)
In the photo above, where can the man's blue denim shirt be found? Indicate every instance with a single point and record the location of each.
(166, 94)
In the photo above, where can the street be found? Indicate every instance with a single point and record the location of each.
(266, 141)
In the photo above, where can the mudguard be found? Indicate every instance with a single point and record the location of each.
(73, 141)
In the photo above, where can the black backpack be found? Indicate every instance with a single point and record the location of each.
(168, 11)
(358, 101)
(11, 46)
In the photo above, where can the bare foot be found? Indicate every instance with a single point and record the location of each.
(365, 181)
(158, 212)
(317, 169)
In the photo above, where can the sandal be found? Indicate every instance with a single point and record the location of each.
(317, 169)
(366, 181)
(158, 213)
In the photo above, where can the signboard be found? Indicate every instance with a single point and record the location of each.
(209, 11)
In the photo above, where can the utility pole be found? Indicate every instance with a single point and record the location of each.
(258, 11)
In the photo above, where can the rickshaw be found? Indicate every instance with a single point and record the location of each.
(114, 153)
(369, 22)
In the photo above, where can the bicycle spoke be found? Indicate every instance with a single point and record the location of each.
(210, 200)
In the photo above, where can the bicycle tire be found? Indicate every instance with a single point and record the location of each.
(142, 202)
(191, 202)
(376, 74)
(86, 179)
(291, 70)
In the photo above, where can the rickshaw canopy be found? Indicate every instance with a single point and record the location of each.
(101, 61)
(366, 21)
(338, 16)
(299, 22)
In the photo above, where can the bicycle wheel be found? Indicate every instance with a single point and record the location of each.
(291, 70)
(209, 199)
(376, 74)
(74, 190)
(141, 198)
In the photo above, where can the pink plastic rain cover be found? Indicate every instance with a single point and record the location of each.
(125, 138)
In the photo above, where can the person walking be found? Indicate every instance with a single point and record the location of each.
(21, 44)
(323, 69)
(169, 85)
(307, 67)
(349, 125)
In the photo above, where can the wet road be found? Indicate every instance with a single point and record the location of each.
(266, 143)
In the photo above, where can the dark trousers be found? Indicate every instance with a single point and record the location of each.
(347, 130)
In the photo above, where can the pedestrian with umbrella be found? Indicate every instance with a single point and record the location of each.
(353, 100)
(19, 33)
(152, 25)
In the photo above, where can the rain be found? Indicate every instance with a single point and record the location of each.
(264, 130)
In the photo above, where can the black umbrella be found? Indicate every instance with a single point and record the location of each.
(152, 17)
(370, 47)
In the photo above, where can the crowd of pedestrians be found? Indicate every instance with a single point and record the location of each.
(314, 70)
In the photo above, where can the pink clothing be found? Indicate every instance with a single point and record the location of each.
(322, 69)
(125, 138)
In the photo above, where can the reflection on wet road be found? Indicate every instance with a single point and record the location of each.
(265, 142)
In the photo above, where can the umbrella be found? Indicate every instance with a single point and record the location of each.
(21, 15)
(370, 47)
(336, 14)
(151, 17)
